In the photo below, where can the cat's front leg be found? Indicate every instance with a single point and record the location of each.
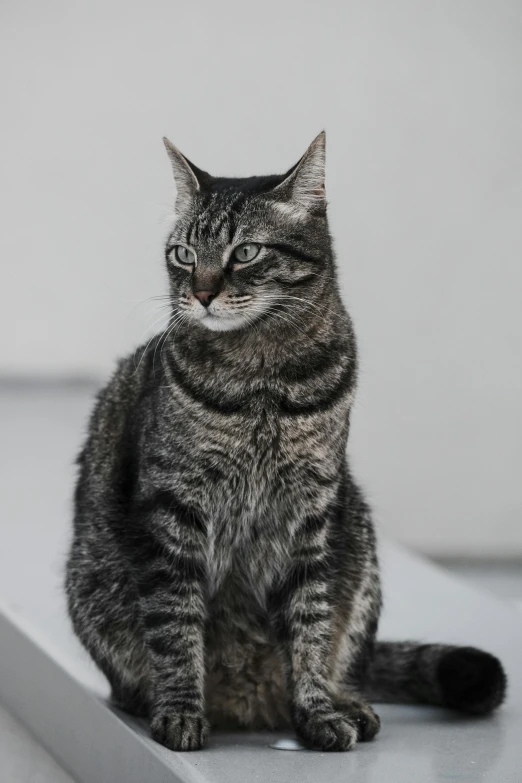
(168, 553)
(304, 609)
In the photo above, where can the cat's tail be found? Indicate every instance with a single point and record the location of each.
(462, 678)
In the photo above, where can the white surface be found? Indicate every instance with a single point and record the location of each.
(422, 106)
(22, 759)
(39, 436)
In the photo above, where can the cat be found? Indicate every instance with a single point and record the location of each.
(223, 567)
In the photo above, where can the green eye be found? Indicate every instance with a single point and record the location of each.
(184, 255)
(246, 252)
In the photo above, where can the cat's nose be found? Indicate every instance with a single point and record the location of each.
(205, 297)
(206, 285)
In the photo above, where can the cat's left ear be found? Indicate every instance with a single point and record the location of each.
(189, 179)
(303, 189)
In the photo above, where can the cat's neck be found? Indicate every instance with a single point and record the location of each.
(267, 346)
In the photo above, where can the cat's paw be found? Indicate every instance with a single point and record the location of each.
(339, 729)
(332, 731)
(179, 731)
(363, 717)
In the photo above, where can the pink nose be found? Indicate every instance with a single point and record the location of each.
(205, 297)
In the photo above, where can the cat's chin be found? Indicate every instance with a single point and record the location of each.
(218, 323)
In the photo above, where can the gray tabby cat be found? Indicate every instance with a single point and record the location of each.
(223, 567)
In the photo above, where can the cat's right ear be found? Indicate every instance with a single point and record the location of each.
(188, 178)
(303, 190)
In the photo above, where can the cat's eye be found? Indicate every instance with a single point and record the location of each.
(246, 252)
(184, 255)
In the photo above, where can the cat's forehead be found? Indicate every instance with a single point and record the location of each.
(225, 214)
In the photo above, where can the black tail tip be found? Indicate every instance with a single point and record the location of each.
(471, 680)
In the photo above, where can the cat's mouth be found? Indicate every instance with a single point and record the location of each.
(237, 311)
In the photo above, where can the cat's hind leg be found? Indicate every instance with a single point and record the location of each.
(103, 607)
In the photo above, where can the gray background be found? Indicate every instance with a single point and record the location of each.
(422, 106)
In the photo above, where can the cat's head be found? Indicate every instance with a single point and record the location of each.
(244, 250)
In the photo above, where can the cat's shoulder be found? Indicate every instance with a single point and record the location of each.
(133, 379)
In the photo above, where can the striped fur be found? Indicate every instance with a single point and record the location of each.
(223, 567)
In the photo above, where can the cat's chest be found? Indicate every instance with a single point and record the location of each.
(266, 463)
(250, 553)
(272, 474)
(248, 524)
(253, 478)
